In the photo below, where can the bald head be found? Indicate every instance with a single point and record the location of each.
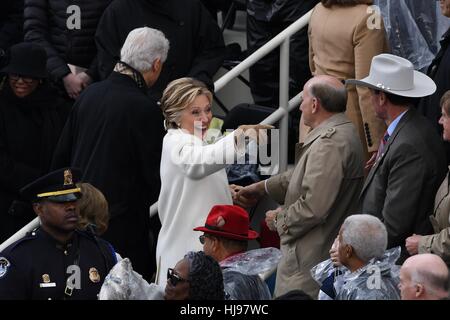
(427, 272)
(329, 91)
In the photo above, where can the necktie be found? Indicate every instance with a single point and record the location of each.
(383, 142)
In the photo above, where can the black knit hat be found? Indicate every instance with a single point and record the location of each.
(27, 59)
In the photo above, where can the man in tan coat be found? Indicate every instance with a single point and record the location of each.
(322, 189)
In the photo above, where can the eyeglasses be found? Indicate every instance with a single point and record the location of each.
(174, 278)
(16, 77)
(203, 237)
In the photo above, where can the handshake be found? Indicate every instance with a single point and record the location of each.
(249, 196)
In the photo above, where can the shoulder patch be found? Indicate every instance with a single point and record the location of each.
(329, 133)
(4, 265)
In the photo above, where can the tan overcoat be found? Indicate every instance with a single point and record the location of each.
(342, 44)
(439, 242)
(316, 196)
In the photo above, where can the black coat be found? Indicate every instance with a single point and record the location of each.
(46, 24)
(29, 131)
(439, 71)
(402, 184)
(114, 135)
(37, 267)
(196, 43)
(11, 23)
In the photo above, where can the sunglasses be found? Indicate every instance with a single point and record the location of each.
(203, 237)
(16, 77)
(174, 278)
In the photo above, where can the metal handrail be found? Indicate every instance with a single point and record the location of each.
(282, 113)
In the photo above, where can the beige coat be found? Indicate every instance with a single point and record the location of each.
(341, 45)
(316, 196)
(439, 243)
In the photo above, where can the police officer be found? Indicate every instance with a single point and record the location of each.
(55, 261)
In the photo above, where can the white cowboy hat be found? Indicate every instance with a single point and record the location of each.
(396, 75)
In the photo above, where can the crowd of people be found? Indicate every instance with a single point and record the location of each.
(97, 123)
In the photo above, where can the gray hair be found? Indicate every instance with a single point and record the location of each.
(366, 234)
(142, 47)
(331, 98)
(433, 281)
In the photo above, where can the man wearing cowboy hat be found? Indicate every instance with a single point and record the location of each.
(410, 163)
(225, 237)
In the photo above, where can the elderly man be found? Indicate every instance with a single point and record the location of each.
(225, 238)
(424, 277)
(55, 261)
(410, 164)
(114, 134)
(362, 238)
(197, 43)
(320, 191)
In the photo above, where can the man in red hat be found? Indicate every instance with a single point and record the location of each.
(225, 238)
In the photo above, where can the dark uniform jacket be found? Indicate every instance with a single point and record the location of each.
(29, 131)
(114, 135)
(46, 24)
(37, 267)
(402, 184)
(196, 43)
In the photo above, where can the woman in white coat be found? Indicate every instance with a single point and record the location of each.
(193, 177)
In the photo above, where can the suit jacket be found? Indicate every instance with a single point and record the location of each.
(439, 242)
(316, 197)
(341, 45)
(401, 185)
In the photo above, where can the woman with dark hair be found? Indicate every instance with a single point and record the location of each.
(31, 119)
(342, 43)
(195, 277)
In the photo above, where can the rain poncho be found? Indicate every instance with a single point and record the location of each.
(414, 28)
(243, 273)
(378, 280)
(122, 283)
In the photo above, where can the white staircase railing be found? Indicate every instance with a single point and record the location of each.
(281, 114)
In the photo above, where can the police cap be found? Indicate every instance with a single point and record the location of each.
(57, 186)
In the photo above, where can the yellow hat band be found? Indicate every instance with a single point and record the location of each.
(58, 193)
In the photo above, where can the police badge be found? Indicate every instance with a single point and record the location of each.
(94, 276)
(4, 265)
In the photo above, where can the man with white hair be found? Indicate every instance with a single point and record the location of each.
(424, 277)
(362, 245)
(114, 134)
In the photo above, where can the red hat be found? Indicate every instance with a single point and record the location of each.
(230, 222)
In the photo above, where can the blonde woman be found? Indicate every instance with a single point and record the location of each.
(93, 209)
(193, 177)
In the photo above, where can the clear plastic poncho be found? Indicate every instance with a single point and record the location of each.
(378, 280)
(243, 273)
(414, 28)
(122, 283)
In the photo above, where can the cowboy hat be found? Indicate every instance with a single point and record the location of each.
(396, 75)
(228, 221)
